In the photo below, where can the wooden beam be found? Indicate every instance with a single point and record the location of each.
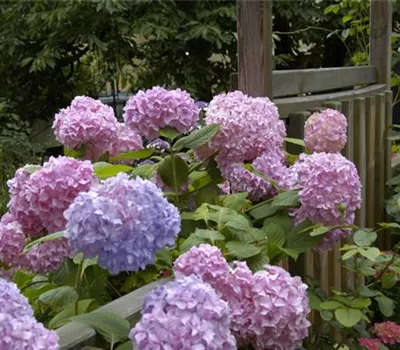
(380, 39)
(254, 21)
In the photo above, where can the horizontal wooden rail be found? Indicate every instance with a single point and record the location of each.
(301, 81)
(75, 336)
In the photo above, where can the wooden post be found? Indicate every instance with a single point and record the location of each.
(254, 26)
(380, 39)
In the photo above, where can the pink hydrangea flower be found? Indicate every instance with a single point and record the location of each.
(50, 190)
(46, 257)
(12, 242)
(281, 307)
(127, 140)
(326, 131)
(370, 343)
(86, 122)
(205, 261)
(149, 111)
(388, 332)
(326, 181)
(248, 127)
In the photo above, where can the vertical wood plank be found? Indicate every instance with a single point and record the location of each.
(370, 197)
(380, 39)
(348, 111)
(254, 51)
(388, 152)
(360, 154)
(295, 129)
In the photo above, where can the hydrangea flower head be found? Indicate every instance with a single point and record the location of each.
(326, 131)
(12, 242)
(280, 311)
(370, 343)
(127, 140)
(186, 314)
(50, 190)
(122, 221)
(326, 181)
(388, 332)
(12, 302)
(205, 261)
(248, 127)
(149, 111)
(86, 122)
(46, 257)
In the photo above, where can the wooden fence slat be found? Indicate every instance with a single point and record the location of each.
(371, 161)
(360, 153)
(295, 129)
(388, 153)
(348, 111)
(298, 81)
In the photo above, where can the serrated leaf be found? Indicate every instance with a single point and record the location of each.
(257, 262)
(50, 237)
(330, 305)
(263, 210)
(386, 305)
(63, 317)
(110, 325)
(173, 171)
(144, 171)
(348, 317)
(197, 138)
(286, 199)
(281, 219)
(239, 223)
(109, 170)
(169, 133)
(58, 298)
(237, 201)
(142, 154)
(241, 250)
(164, 258)
(209, 235)
(125, 346)
(319, 231)
(275, 234)
(191, 241)
(364, 238)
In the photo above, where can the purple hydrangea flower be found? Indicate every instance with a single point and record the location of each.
(205, 261)
(326, 131)
(12, 302)
(248, 127)
(124, 222)
(280, 301)
(185, 314)
(12, 242)
(86, 122)
(25, 333)
(326, 181)
(159, 144)
(127, 140)
(149, 111)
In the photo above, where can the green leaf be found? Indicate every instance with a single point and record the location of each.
(169, 133)
(63, 317)
(364, 238)
(299, 241)
(207, 194)
(347, 18)
(348, 317)
(241, 250)
(275, 234)
(349, 254)
(394, 181)
(105, 170)
(58, 298)
(371, 253)
(326, 315)
(142, 154)
(330, 305)
(390, 224)
(365, 291)
(314, 300)
(110, 325)
(144, 171)
(75, 153)
(239, 223)
(209, 235)
(125, 346)
(237, 201)
(50, 237)
(31, 168)
(257, 262)
(360, 303)
(197, 138)
(173, 172)
(286, 199)
(294, 141)
(389, 280)
(319, 231)
(281, 219)
(263, 210)
(191, 241)
(164, 258)
(386, 305)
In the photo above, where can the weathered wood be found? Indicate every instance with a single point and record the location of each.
(360, 153)
(268, 47)
(74, 336)
(293, 104)
(253, 50)
(388, 153)
(380, 39)
(295, 129)
(348, 111)
(370, 198)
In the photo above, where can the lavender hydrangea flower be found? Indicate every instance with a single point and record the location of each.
(248, 127)
(25, 333)
(12, 302)
(279, 319)
(12, 242)
(86, 122)
(326, 131)
(205, 261)
(149, 111)
(185, 314)
(124, 222)
(127, 140)
(327, 181)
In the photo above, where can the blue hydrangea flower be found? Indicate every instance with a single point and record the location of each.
(122, 221)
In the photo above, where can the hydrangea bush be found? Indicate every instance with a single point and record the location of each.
(212, 201)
